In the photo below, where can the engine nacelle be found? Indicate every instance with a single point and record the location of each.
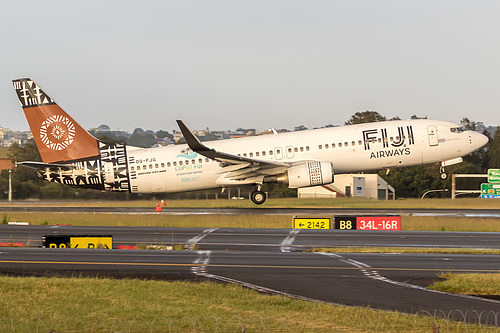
(310, 174)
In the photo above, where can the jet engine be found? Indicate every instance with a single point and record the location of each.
(306, 174)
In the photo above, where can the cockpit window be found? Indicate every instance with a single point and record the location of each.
(458, 129)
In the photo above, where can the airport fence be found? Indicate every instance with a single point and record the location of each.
(454, 321)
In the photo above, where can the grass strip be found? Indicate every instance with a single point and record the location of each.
(408, 223)
(368, 249)
(469, 284)
(29, 304)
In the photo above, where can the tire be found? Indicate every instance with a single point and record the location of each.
(258, 197)
(444, 176)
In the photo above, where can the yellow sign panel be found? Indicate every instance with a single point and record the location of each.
(91, 242)
(311, 223)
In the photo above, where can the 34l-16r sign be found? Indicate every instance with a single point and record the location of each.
(368, 222)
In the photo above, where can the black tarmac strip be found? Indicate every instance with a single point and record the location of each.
(485, 213)
(272, 261)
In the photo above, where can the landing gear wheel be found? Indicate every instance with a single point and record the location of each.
(258, 197)
(444, 176)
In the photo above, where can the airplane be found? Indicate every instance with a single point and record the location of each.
(72, 156)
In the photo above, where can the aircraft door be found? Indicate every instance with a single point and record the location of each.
(289, 152)
(278, 153)
(432, 132)
(109, 173)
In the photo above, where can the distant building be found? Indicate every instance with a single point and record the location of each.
(8, 137)
(5, 161)
(351, 185)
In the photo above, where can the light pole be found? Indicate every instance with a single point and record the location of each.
(10, 185)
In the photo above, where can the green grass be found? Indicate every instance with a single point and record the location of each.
(464, 203)
(409, 223)
(369, 249)
(469, 284)
(29, 304)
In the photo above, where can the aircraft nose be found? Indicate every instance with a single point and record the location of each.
(479, 139)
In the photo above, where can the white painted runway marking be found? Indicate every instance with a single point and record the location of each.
(285, 244)
(191, 244)
(375, 275)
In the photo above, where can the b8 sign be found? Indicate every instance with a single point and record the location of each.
(368, 222)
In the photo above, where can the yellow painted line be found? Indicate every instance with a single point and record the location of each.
(441, 270)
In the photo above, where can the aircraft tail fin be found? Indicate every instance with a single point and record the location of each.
(58, 137)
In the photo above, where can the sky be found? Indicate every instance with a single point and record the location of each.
(253, 64)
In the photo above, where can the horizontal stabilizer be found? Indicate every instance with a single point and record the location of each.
(41, 166)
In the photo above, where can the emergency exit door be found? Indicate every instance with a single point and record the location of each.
(432, 132)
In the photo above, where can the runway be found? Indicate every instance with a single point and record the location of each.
(480, 213)
(270, 260)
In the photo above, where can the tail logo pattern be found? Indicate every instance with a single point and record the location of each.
(57, 132)
(30, 94)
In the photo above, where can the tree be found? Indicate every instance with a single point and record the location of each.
(365, 117)
(494, 151)
(140, 138)
(300, 128)
(103, 128)
(469, 124)
(164, 134)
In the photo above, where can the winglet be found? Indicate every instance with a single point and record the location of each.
(193, 142)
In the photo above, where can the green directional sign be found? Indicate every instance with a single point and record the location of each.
(490, 191)
(494, 175)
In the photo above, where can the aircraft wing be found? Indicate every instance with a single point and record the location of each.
(238, 168)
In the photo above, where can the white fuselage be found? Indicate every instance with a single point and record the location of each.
(350, 149)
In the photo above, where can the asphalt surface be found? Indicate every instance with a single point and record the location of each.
(248, 239)
(485, 213)
(268, 260)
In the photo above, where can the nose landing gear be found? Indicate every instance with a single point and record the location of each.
(443, 175)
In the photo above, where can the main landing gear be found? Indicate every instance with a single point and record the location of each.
(258, 197)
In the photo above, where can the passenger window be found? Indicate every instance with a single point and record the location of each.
(206, 159)
(156, 165)
(278, 151)
(193, 161)
(251, 154)
(307, 148)
(151, 166)
(340, 144)
(289, 150)
(263, 153)
(200, 160)
(359, 142)
(257, 154)
(333, 145)
(175, 163)
(168, 164)
(379, 140)
(132, 169)
(301, 149)
(326, 146)
(320, 147)
(346, 144)
(353, 143)
(270, 152)
(163, 165)
(245, 155)
(296, 149)
(180, 162)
